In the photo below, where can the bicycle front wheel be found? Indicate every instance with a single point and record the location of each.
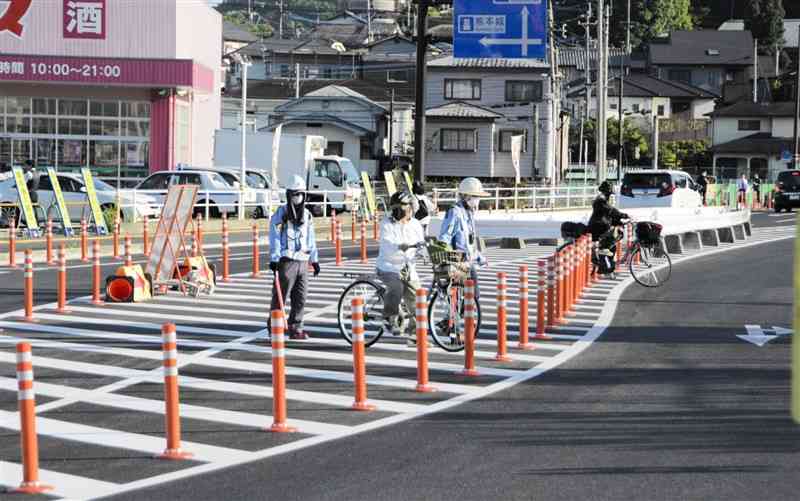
(372, 294)
(446, 320)
(654, 267)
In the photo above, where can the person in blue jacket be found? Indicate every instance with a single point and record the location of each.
(292, 247)
(458, 228)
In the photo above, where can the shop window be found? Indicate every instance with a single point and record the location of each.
(365, 145)
(104, 128)
(636, 108)
(19, 125)
(521, 91)
(103, 153)
(467, 89)
(104, 109)
(464, 140)
(71, 153)
(44, 125)
(661, 110)
(72, 126)
(135, 155)
(505, 139)
(135, 109)
(20, 150)
(2, 105)
(73, 107)
(136, 128)
(5, 150)
(43, 106)
(18, 105)
(45, 153)
(335, 148)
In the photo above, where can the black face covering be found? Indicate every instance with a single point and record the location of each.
(295, 212)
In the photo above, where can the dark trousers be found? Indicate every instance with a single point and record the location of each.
(293, 278)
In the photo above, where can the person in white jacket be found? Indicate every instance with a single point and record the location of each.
(401, 234)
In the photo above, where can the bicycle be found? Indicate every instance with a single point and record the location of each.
(648, 262)
(446, 324)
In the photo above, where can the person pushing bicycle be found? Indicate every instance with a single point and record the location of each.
(401, 234)
(292, 246)
(458, 228)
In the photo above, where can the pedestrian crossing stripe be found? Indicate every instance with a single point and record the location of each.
(232, 321)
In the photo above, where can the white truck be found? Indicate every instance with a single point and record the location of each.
(329, 177)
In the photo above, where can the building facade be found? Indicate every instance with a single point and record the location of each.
(83, 84)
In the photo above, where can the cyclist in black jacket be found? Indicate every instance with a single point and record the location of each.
(604, 216)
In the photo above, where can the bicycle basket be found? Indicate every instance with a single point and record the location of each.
(648, 234)
(440, 255)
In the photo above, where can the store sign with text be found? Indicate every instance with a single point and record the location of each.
(105, 71)
(11, 18)
(84, 19)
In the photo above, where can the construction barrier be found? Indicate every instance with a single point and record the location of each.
(359, 363)
(469, 329)
(277, 334)
(256, 265)
(84, 240)
(502, 315)
(12, 244)
(62, 279)
(423, 385)
(171, 397)
(96, 273)
(28, 277)
(27, 417)
(524, 328)
(49, 240)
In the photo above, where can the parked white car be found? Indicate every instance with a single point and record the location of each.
(266, 200)
(658, 188)
(214, 192)
(74, 191)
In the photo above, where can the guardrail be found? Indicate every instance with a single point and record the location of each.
(525, 197)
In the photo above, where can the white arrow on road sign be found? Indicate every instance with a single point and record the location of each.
(524, 41)
(755, 334)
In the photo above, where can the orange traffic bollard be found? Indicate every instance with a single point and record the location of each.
(128, 255)
(49, 244)
(171, 398)
(84, 240)
(334, 222)
(375, 227)
(359, 365)
(256, 265)
(502, 315)
(524, 327)
(573, 275)
(422, 341)
(199, 233)
(62, 279)
(96, 273)
(146, 236)
(278, 374)
(560, 258)
(469, 329)
(364, 259)
(542, 285)
(551, 291)
(27, 417)
(12, 244)
(115, 241)
(28, 285)
(225, 251)
(338, 244)
(353, 226)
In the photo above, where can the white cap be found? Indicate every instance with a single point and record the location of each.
(471, 186)
(297, 183)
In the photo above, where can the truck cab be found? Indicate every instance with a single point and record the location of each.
(334, 174)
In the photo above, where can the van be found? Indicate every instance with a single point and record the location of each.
(658, 188)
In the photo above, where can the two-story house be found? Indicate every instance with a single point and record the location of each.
(750, 138)
(703, 58)
(475, 107)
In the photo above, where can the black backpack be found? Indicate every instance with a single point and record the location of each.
(423, 210)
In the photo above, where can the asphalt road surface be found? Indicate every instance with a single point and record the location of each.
(668, 404)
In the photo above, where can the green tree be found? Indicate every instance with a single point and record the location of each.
(650, 19)
(636, 146)
(678, 154)
(765, 22)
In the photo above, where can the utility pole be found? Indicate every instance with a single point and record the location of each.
(369, 21)
(280, 21)
(588, 84)
(797, 115)
(602, 82)
(297, 81)
(755, 71)
(621, 121)
(245, 64)
(552, 142)
(391, 125)
(535, 139)
(419, 102)
(628, 30)
(655, 139)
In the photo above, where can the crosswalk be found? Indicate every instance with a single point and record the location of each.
(99, 378)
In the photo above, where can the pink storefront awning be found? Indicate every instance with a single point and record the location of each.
(107, 71)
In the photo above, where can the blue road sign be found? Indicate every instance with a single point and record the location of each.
(786, 156)
(509, 29)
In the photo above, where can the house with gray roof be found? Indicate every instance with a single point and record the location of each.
(749, 138)
(355, 126)
(475, 107)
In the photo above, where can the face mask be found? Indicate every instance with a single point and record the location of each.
(472, 203)
(297, 199)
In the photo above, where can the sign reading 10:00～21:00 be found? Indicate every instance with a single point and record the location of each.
(86, 70)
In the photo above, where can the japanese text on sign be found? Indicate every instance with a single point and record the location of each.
(12, 68)
(84, 19)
